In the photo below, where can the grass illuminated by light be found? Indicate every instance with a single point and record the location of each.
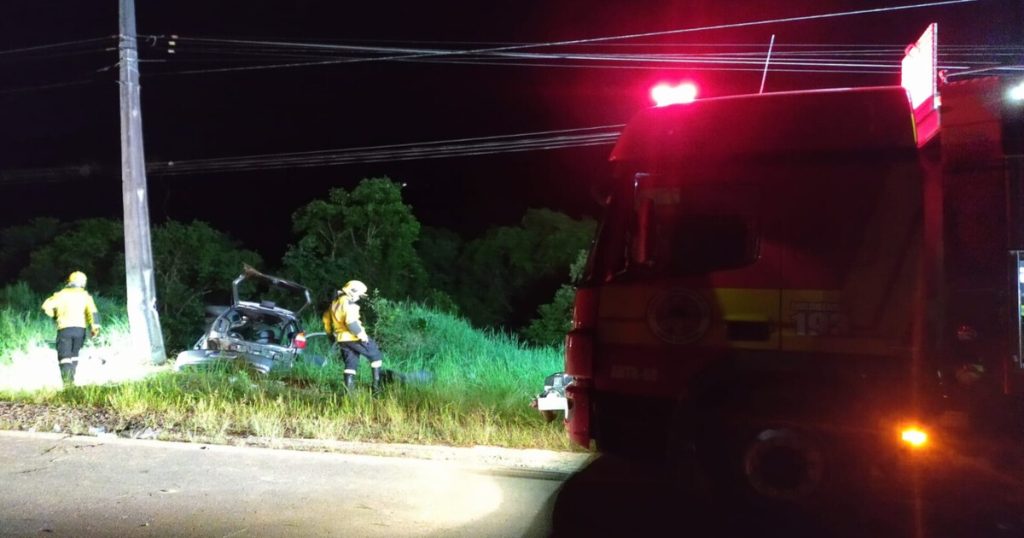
(467, 387)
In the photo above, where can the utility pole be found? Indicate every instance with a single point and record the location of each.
(143, 319)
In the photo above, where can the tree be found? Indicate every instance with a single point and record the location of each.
(94, 246)
(368, 234)
(554, 319)
(439, 250)
(506, 273)
(195, 265)
(18, 242)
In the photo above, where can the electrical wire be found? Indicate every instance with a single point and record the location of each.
(54, 45)
(45, 86)
(324, 51)
(687, 67)
(812, 65)
(55, 55)
(461, 147)
(836, 58)
(874, 59)
(506, 48)
(53, 51)
(487, 145)
(92, 78)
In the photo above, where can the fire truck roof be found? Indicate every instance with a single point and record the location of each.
(809, 122)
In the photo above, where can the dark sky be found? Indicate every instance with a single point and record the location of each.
(372, 103)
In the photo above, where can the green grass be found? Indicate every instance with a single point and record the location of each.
(473, 388)
(22, 322)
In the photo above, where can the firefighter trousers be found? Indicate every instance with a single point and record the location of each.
(351, 351)
(69, 343)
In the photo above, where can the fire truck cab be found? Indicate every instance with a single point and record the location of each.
(793, 291)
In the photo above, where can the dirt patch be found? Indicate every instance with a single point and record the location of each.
(74, 420)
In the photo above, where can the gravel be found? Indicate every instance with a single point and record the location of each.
(105, 423)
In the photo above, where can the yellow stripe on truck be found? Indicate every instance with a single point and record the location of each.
(648, 315)
(791, 320)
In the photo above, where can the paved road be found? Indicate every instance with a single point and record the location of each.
(83, 486)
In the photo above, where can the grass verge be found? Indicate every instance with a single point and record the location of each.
(462, 387)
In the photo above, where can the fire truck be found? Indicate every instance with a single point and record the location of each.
(791, 292)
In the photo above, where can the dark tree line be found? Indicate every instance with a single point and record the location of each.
(513, 277)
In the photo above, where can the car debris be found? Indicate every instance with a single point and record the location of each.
(552, 398)
(262, 333)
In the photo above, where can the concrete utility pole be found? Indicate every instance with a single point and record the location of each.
(138, 253)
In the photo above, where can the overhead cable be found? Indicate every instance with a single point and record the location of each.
(461, 147)
(54, 45)
(782, 20)
(399, 152)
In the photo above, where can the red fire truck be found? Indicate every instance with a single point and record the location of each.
(798, 290)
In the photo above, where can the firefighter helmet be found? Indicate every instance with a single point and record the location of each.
(354, 289)
(77, 279)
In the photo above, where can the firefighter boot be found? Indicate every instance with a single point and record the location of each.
(350, 382)
(67, 370)
(377, 387)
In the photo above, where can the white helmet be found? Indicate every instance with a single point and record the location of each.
(354, 289)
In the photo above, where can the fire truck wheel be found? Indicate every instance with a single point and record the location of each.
(784, 465)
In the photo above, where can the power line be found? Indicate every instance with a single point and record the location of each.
(590, 40)
(78, 82)
(882, 57)
(56, 54)
(263, 43)
(55, 45)
(460, 147)
(820, 62)
(22, 89)
(486, 145)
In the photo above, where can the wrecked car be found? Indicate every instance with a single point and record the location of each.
(262, 333)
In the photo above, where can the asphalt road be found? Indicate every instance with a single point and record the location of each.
(83, 486)
(53, 485)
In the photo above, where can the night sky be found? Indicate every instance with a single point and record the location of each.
(71, 128)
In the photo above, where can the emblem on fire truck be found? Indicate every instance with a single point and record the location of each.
(679, 316)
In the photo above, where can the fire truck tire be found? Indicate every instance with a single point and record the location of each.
(784, 465)
(751, 457)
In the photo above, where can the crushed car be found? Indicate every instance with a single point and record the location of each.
(262, 333)
(552, 398)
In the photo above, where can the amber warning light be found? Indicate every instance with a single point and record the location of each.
(914, 437)
(667, 94)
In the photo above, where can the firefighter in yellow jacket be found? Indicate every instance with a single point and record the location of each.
(73, 309)
(342, 321)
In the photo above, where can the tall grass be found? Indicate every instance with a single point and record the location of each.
(463, 387)
(24, 326)
(22, 323)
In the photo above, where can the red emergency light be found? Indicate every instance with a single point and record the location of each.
(667, 94)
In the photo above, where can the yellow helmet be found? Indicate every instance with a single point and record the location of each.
(77, 279)
(354, 289)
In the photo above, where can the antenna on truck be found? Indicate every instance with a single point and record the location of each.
(766, 60)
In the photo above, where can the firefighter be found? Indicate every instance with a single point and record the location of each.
(342, 321)
(73, 309)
